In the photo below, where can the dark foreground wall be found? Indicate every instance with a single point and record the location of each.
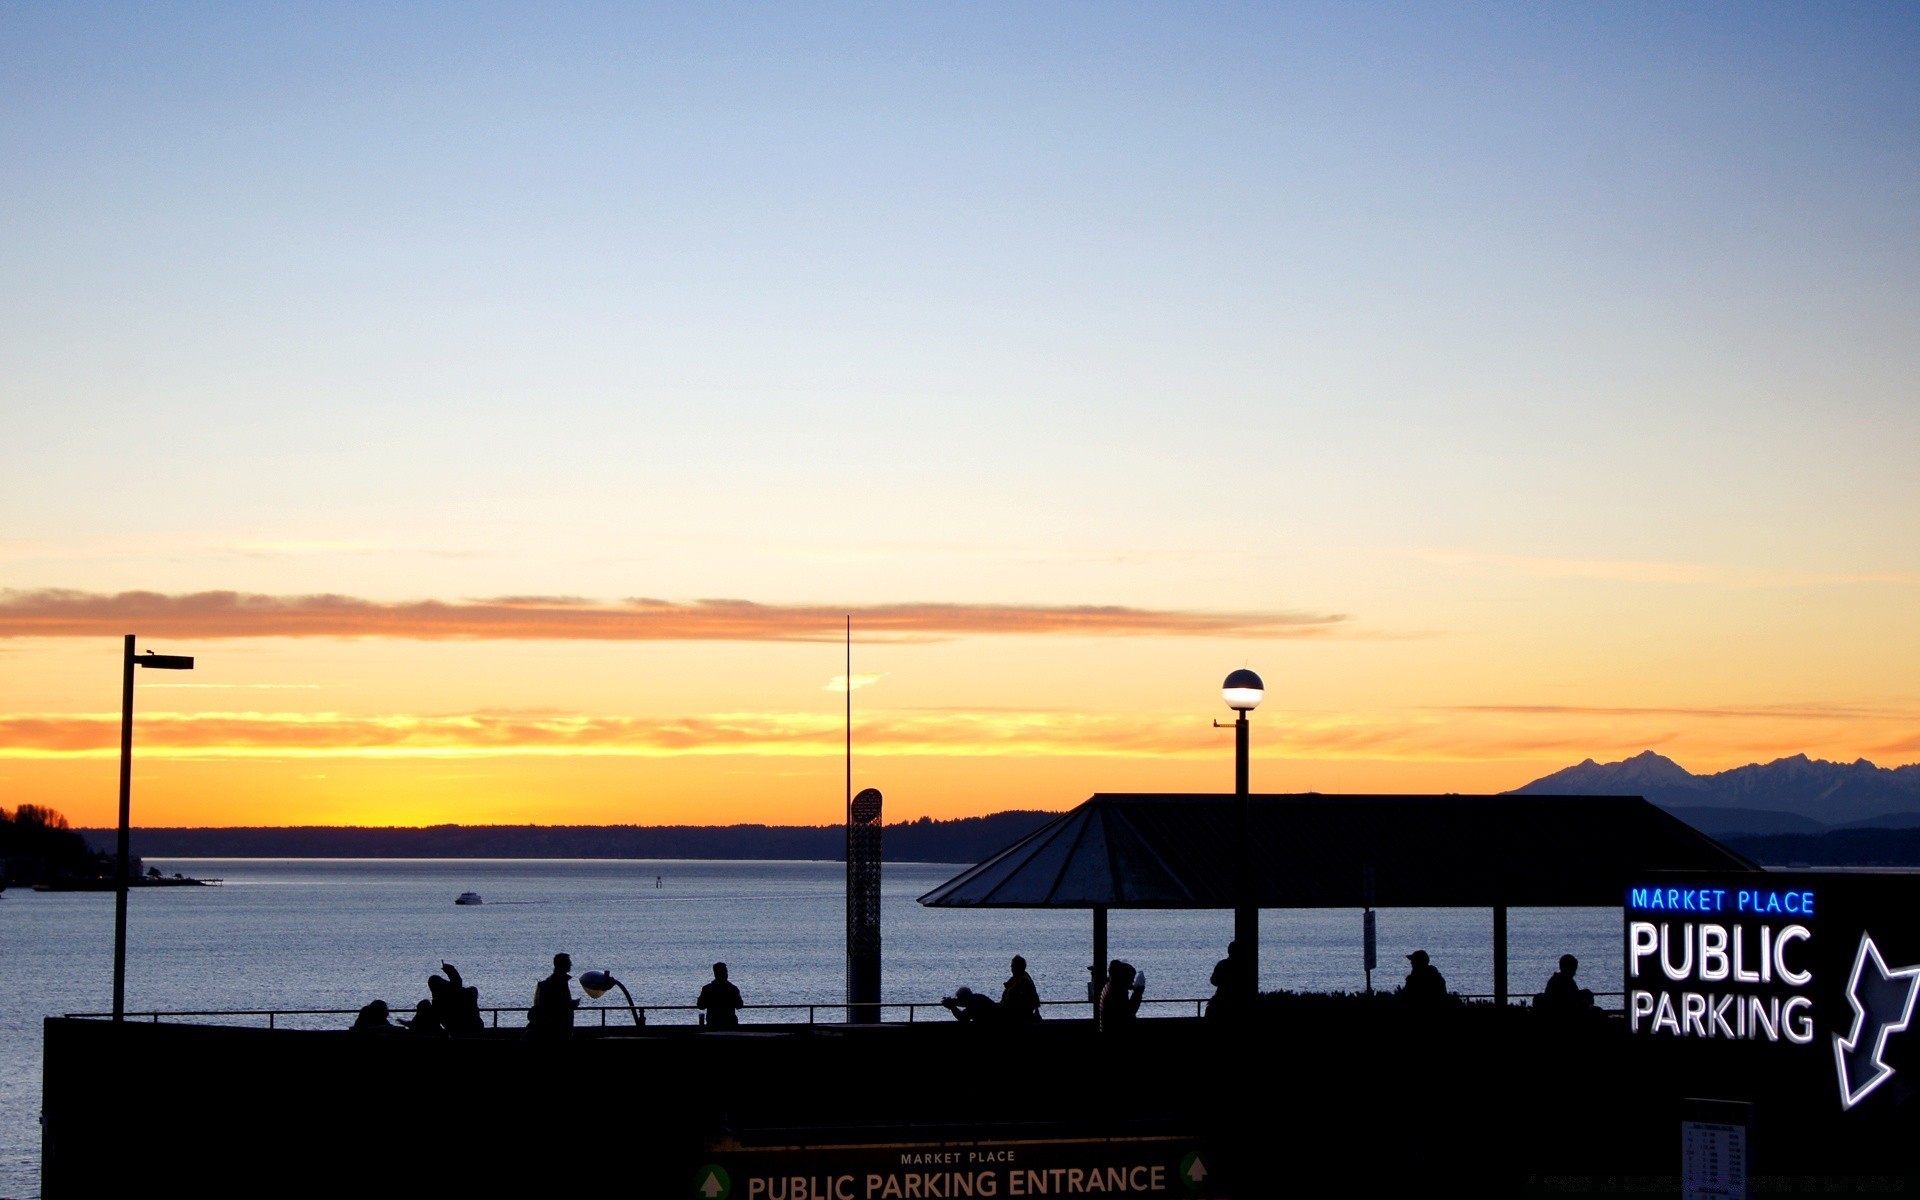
(1334, 1098)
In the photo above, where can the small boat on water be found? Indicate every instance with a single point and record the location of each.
(468, 898)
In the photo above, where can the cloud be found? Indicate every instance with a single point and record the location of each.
(1653, 571)
(484, 735)
(839, 682)
(204, 616)
(285, 549)
(1405, 736)
(1758, 712)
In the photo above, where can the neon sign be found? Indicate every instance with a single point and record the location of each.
(1828, 962)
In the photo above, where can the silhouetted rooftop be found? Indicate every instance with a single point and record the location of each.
(1128, 850)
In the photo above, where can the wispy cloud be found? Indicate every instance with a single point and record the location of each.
(218, 615)
(1755, 712)
(290, 549)
(274, 687)
(1404, 736)
(1653, 570)
(484, 735)
(839, 682)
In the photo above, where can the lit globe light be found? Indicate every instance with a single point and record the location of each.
(1243, 690)
(597, 983)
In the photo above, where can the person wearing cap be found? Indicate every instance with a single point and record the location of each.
(1425, 985)
(968, 1005)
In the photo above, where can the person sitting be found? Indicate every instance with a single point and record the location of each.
(425, 1020)
(1564, 999)
(1425, 987)
(970, 1007)
(1019, 998)
(373, 1019)
(1120, 998)
(721, 1001)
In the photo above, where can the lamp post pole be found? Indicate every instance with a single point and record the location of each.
(120, 844)
(1246, 914)
(122, 874)
(1243, 691)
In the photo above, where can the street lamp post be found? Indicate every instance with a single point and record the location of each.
(165, 662)
(598, 983)
(1242, 692)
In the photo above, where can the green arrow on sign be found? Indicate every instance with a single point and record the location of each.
(1193, 1171)
(714, 1184)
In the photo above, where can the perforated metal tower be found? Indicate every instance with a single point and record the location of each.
(863, 908)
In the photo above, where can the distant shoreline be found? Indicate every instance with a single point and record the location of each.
(962, 840)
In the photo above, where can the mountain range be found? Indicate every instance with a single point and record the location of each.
(1786, 796)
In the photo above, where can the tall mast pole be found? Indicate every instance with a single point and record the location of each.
(848, 680)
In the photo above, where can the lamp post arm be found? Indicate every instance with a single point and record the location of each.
(630, 1008)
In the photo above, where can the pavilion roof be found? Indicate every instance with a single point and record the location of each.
(1175, 850)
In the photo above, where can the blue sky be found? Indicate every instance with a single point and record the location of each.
(1577, 335)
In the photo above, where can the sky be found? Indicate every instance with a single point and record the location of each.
(508, 405)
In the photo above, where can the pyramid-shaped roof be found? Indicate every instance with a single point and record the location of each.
(1175, 850)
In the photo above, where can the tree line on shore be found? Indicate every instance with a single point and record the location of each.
(961, 840)
(36, 843)
(37, 846)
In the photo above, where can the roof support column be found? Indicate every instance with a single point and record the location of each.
(1098, 975)
(1500, 954)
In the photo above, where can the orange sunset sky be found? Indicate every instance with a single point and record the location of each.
(1506, 386)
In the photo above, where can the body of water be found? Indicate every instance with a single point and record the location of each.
(329, 933)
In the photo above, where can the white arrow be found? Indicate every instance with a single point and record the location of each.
(1198, 1171)
(1882, 1000)
(711, 1188)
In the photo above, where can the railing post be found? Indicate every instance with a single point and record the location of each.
(1500, 954)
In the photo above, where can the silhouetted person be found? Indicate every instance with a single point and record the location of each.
(373, 1019)
(425, 1020)
(1565, 999)
(457, 1002)
(1120, 998)
(1019, 999)
(721, 1001)
(970, 1006)
(1228, 980)
(1425, 986)
(1096, 982)
(551, 1016)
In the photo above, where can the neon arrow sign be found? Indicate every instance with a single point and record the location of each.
(1882, 1000)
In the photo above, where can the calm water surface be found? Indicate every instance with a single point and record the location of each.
(330, 933)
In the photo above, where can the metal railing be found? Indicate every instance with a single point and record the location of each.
(605, 1016)
(614, 1015)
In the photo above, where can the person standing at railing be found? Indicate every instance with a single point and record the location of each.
(1019, 998)
(1120, 999)
(551, 1017)
(721, 1001)
(1226, 981)
(457, 1002)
